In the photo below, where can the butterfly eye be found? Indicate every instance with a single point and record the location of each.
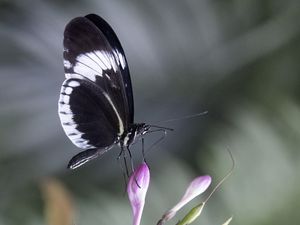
(146, 129)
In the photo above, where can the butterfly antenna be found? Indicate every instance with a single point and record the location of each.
(123, 173)
(162, 128)
(184, 117)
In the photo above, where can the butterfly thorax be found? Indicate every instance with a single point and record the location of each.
(132, 133)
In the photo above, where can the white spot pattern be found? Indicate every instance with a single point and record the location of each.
(88, 60)
(66, 115)
(73, 75)
(68, 90)
(96, 59)
(73, 83)
(65, 108)
(89, 65)
(92, 64)
(67, 64)
(120, 58)
(65, 99)
(103, 58)
(85, 71)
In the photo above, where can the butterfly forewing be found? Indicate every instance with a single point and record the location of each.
(89, 56)
(119, 55)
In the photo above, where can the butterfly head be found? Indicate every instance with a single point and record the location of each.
(143, 128)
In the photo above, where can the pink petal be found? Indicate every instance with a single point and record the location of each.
(196, 187)
(136, 189)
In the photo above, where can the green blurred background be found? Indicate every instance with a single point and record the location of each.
(239, 60)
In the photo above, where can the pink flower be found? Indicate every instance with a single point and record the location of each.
(137, 188)
(196, 187)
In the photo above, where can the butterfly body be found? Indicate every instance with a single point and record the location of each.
(133, 133)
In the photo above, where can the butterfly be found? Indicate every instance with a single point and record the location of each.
(96, 106)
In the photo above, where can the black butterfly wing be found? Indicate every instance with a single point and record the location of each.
(96, 102)
(88, 55)
(119, 54)
(87, 117)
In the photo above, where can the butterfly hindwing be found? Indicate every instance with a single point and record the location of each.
(87, 116)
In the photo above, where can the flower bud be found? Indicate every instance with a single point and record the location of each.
(192, 215)
(136, 189)
(196, 187)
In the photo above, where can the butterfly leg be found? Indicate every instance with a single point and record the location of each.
(122, 152)
(132, 165)
(122, 168)
(125, 161)
(131, 159)
(143, 150)
(119, 156)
